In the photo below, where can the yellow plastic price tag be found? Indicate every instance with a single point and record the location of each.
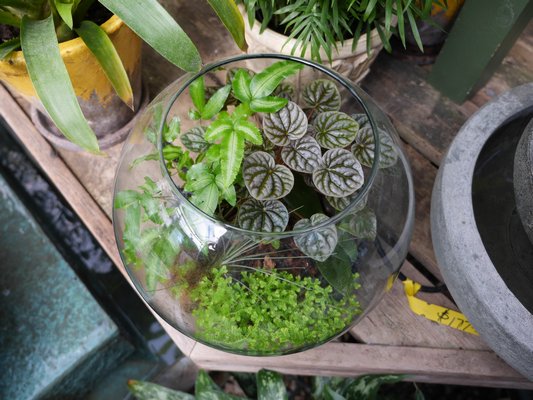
(439, 314)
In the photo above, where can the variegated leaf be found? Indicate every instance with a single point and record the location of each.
(263, 216)
(264, 179)
(362, 225)
(289, 123)
(334, 129)
(320, 243)
(364, 145)
(340, 203)
(194, 140)
(322, 95)
(339, 175)
(302, 155)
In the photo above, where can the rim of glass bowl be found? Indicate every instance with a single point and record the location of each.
(332, 74)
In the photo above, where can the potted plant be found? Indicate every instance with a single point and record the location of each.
(346, 34)
(99, 59)
(253, 208)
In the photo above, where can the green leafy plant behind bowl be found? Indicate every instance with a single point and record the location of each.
(44, 23)
(320, 24)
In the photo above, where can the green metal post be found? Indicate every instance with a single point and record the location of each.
(484, 32)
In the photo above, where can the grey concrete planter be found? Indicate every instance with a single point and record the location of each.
(523, 180)
(503, 319)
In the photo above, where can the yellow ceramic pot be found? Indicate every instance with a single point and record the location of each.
(101, 106)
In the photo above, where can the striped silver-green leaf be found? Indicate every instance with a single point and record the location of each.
(364, 149)
(362, 225)
(289, 123)
(265, 179)
(340, 203)
(194, 140)
(322, 95)
(339, 175)
(263, 216)
(334, 129)
(302, 155)
(318, 244)
(285, 90)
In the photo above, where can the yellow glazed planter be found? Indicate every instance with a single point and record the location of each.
(354, 64)
(107, 114)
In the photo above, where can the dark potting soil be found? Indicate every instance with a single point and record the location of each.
(495, 211)
(8, 32)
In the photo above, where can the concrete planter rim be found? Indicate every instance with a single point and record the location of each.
(472, 278)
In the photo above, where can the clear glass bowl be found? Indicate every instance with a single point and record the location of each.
(258, 293)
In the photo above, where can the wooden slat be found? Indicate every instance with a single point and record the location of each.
(421, 247)
(464, 367)
(393, 323)
(424, 118)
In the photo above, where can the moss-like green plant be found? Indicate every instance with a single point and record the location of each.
(269, 310)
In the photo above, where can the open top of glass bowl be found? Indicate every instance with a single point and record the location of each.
(263, 205)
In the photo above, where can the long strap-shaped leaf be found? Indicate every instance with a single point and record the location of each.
(154, 25)
(102, 47)
(230, 16)
(52, 83)
(8, 47)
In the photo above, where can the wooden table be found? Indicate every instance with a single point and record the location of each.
(391, 339)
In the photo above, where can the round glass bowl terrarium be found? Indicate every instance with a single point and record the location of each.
(263, 205)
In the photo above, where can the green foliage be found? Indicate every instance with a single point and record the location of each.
(45, 22)
(269, 385)
(362, 388)
(268, 310)
(151, 391)
(318, 25)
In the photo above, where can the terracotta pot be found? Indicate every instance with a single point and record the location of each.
(106, 113)
(355, 64)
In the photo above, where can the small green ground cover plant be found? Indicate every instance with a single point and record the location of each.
(270, 385)
(251, 155)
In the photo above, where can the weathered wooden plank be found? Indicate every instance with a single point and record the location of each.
(421, 247)
(451, 366)
(382, 326)
(424, 118)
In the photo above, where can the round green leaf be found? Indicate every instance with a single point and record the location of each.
(340, 203)
(302, 155)
(334, 129)
(339, 175)
(264, 179)
(289, 123)
(194, 140)
(322, 95)
(318, 244)
(364, 146)
(263, 216)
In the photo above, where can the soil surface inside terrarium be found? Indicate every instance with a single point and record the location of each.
(495, 210)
